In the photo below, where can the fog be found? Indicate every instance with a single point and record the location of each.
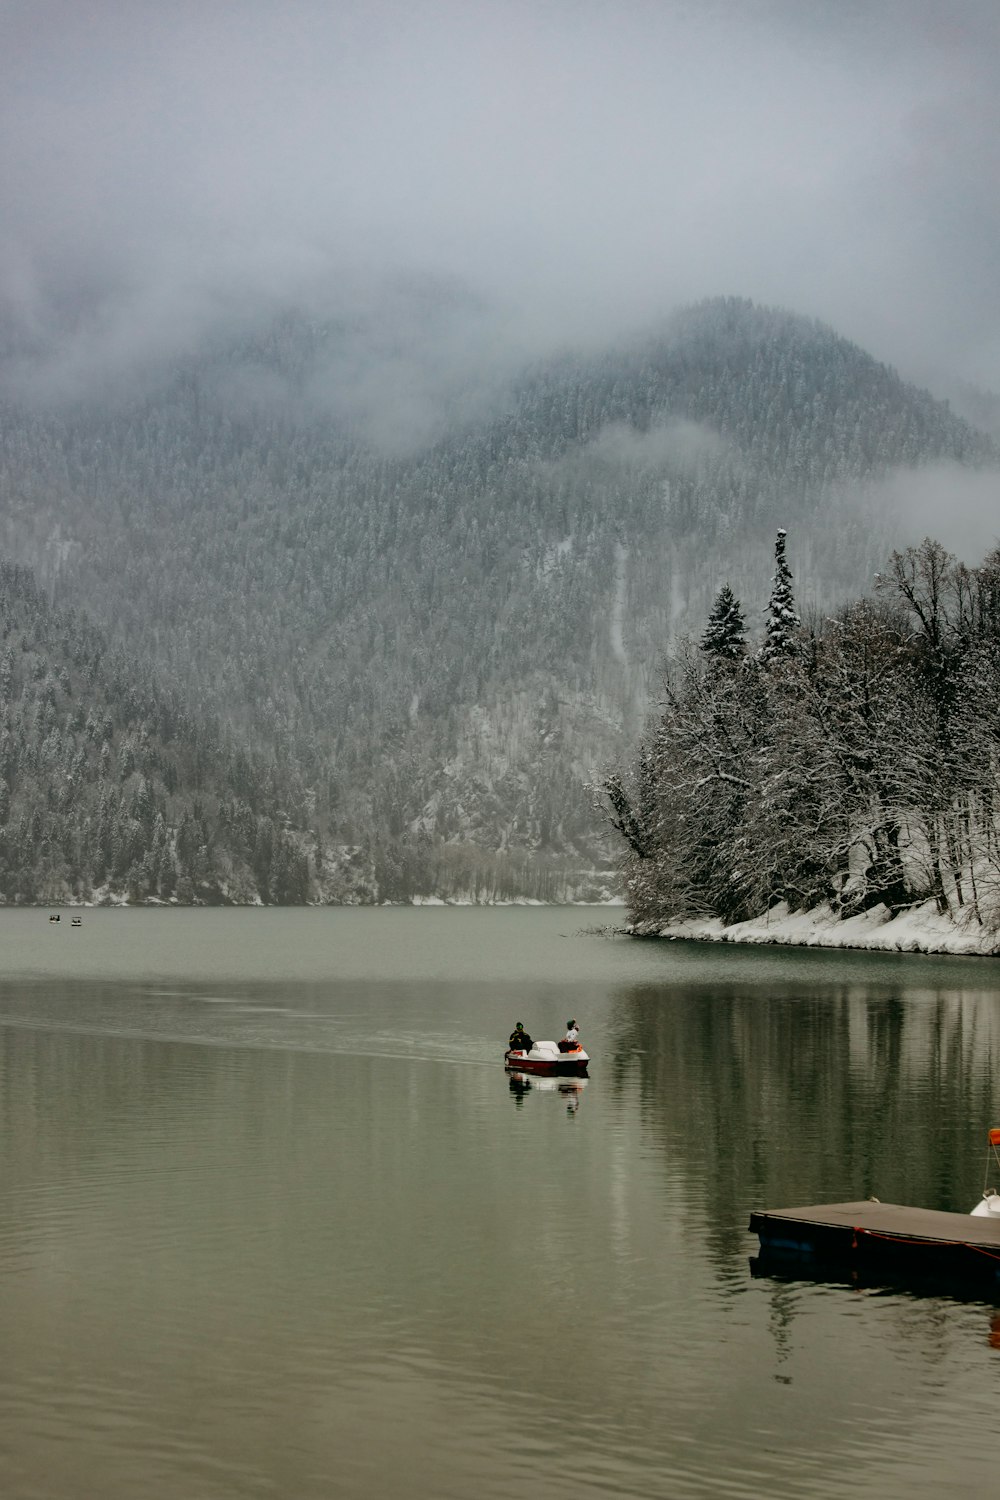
(573, 169)
(961, 506)
(678, 443)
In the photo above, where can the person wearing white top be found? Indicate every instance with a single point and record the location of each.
(571, 1039)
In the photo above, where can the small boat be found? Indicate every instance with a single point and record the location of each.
(547, 1058)
(988, 1206)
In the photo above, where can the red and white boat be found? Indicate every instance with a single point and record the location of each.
(547, 1058)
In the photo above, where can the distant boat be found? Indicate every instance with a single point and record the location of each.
(54, 918)
(77, 922)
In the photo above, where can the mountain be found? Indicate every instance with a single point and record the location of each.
(441, 639)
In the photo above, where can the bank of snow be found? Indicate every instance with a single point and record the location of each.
(920, 929)
(468, 900)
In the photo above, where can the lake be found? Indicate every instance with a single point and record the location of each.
(276, 1223)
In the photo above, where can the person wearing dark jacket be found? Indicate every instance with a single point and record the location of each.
(520, 1041)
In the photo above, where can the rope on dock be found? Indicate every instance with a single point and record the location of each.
(909, 1239)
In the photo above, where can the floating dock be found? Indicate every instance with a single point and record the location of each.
(871, 1238)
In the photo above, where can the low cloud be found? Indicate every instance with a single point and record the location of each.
(958, 507)
(583, 167)
(677, 446)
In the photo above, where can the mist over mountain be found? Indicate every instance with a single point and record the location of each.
(436, 592)
(589, 166)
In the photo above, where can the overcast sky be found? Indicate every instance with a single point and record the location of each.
(587, 165)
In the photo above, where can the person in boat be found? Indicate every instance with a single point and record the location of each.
(520, 1041)
(571, 1040)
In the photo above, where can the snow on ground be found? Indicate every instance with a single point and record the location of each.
(468, 900)
(921, 929)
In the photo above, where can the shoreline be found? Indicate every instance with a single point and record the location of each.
(920, 929)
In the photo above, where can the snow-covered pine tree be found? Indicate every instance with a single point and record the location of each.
(725, 634)
(782, 620)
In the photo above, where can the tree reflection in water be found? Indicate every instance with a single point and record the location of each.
(812, 1093)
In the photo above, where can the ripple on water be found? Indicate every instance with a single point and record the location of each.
(327, 1250)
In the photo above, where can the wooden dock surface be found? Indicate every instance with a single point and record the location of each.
(895, 1219)
(868, 1232)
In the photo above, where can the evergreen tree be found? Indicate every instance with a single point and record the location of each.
(782, 620)
(864, 773)
(725, 634)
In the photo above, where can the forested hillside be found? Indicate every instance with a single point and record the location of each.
(109, 790)
(440, 644)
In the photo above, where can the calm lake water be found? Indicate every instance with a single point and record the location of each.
(275, 1223)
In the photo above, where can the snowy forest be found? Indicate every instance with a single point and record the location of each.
(852, 760)
(108, 785)
(426, 640)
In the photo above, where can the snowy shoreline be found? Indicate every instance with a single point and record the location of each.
(921, 929)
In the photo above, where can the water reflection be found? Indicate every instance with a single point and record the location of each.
(789, 1269)
(569, 1090)
(837, 1093)
(519, 1085)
